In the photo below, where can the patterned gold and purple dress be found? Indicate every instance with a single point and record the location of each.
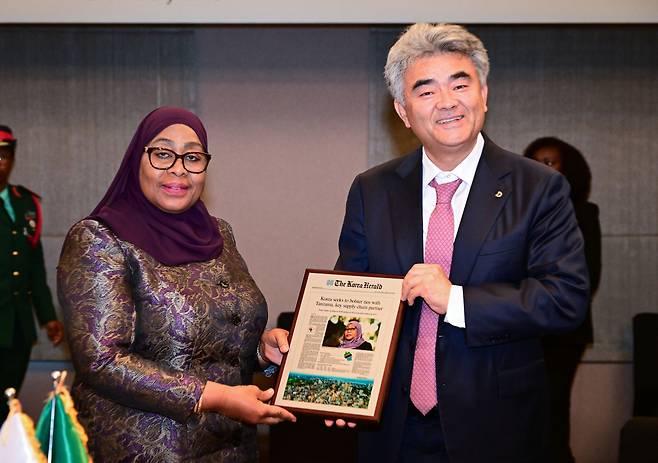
(144, 339)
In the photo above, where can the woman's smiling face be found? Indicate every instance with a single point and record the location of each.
(173, 190)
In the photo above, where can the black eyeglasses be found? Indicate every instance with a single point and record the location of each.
(195, 162)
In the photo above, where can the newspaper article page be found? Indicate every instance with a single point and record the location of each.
(340, 344)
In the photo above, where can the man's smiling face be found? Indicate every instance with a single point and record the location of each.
(444, 104)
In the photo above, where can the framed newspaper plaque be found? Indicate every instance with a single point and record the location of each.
(342, 345)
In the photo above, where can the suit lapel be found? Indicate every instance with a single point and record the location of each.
(406, 212)
(489, 192)
(487, 197)
(406, 202)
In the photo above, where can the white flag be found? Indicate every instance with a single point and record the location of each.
(17, 441)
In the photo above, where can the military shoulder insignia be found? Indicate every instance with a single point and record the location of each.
(33, 217)
(20, 191)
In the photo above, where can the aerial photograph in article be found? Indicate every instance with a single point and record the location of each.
(328, 390)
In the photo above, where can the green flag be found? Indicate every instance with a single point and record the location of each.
(66, 442)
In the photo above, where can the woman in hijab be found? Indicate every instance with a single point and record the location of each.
(353, 337)
(164, 321)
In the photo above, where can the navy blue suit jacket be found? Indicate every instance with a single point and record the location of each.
(519, 256)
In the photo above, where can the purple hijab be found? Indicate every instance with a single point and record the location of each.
(358, 339)
(173, 239)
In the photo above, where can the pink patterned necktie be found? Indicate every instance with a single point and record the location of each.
(438, 250)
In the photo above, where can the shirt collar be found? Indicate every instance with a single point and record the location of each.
(465, 170)
(4, 194)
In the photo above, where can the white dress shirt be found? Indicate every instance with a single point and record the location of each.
(464, 171)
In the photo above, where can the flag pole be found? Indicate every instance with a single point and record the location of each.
(55, 375)
(12, 402)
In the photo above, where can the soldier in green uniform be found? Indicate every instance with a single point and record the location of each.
(22, 275)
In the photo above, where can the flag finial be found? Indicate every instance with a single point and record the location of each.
(10, 393)
(58, 376)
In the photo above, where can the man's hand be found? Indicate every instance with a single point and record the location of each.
(273, 344)
(340, 423)
(429, 282)
(55, 331)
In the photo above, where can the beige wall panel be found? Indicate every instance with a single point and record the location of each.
(334, 12)
(43, 349)
(629, 285)
(595, 87)
(601, 402)
(287, 114)
(74, 97)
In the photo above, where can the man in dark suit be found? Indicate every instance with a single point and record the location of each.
(469, 381)
(23, 276)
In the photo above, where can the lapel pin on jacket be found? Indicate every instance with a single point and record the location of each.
(499, 194)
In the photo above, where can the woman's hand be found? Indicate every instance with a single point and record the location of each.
(273, 344)
(243, 403)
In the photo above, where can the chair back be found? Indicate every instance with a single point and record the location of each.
(645, 368)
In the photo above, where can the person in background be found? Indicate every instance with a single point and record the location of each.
(166, 324)
(563, 352)
(23, 286)
(492, 259)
